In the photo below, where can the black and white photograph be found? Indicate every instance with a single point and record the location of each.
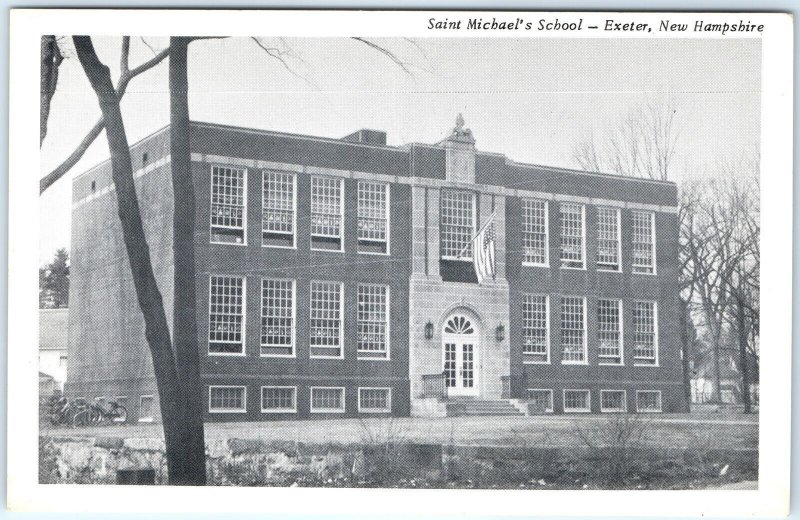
(497, 251)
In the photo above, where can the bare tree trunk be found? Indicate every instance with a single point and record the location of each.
(149, 297)
(717, 392)
(184, 329)
(686, 350)
(51, 59)
(741, 321)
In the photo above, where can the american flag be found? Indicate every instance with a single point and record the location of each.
(483, 251)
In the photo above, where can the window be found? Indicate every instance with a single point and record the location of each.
(326, 319)
(146, 403)
(277, 317)
(608, 242)
(609, 332)
(226, 315)
(534, 232)
(228, 203)
(648, 401)
(327, 399)
(644, 246)
(540, 401)
(577, 401)
(373, 321)
(613, 401)
(62, 361)
(572, 236)
(645, 343)
(327, 208)
(573, 330)
(373, 217)
(374, 400)
(227, 399)
(278, 399)
(535, 337)
(122, 401)
(457, 225)
(278, 209)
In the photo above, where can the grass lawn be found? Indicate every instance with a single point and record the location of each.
(663, 430)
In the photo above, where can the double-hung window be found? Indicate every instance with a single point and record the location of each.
(648, 400)
(374, 400)
(573, 238)
(228, 205)
(373, 217)
(457, 225)
(540, 400)
(327, 211)
(645, 339)
(326, 320)
(613, 401)
(577, 401)
(277, 317)
(573, 330)
(278, 221)
(534, 232)
(373, 321)
(535, 337)
(608, 241)
(609, 332)
(226, 315)
(644, 245)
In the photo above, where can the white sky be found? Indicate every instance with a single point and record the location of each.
(531, 99)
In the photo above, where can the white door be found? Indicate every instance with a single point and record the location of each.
(460, 360)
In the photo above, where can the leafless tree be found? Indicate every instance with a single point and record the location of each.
(641, 144)
(720, 235)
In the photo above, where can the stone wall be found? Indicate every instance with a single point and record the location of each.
(248, 462)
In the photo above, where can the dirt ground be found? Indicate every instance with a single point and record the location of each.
(667, 430)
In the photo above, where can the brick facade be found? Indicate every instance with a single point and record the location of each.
(107, 343)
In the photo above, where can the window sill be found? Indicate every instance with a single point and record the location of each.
(227, 354)
(146, 420)
(372, 359)
(531, 362)
(644, 274)
(278, 410)
(648, 411)
(373, 254)
(284, 356)
(576, 410)
(226, 410)
(529, 264)
(612, 410)
(387, 410)
(610, 364)
(645, 365)
(268, 246)
(574, 362)
(326, 357)
(237, 244)
(323, 410)
(338, 251)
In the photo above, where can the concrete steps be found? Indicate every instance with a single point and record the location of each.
(459, 407)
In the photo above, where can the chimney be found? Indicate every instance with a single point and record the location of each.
(460, 147)
(367, 136)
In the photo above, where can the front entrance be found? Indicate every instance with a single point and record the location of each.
(460, 356)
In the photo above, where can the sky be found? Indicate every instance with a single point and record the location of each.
(532, 99)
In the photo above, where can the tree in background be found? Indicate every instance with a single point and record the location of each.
(54, 282)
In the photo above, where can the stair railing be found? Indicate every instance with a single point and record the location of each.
(434, 385)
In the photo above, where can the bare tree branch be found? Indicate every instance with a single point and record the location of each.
(386, 52)
(125, 77)
(51, 58)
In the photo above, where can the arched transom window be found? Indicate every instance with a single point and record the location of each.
(459, 325)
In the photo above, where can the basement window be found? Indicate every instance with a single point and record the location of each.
(327, 212)
(540, 401)
(577, 401)
(648, 401)
(613, 401)
(227, 399)
(374, 400)
(228, 203)
(278, 399)
(146, 405)
(327, 399)
(279, 200)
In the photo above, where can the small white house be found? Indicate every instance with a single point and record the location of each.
(53, 344)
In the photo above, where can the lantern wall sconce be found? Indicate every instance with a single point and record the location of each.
(500, 332)
(429, 330)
